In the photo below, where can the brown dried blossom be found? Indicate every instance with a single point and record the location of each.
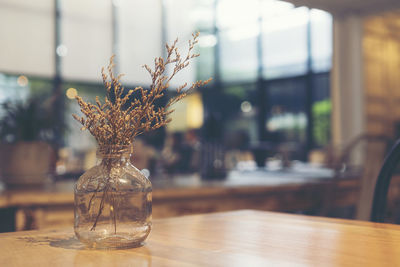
(115, 123)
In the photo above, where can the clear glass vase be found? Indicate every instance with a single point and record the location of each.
(113, 202)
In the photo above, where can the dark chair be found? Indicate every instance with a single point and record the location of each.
(382, 184)
(374, 149)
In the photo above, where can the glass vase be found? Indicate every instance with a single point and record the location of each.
(113, 202)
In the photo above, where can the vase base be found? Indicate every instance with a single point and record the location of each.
(111, 243)
(121, 240)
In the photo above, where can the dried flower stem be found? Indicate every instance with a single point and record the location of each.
(118, 120)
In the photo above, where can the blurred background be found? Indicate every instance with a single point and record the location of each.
(298, 117)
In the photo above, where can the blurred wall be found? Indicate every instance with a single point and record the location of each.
(381, 51)
(365, 76)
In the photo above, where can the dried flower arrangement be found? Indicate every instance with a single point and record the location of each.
(117, 121)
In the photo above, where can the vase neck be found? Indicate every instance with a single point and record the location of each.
(114, 152)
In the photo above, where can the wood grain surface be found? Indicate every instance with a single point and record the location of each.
(240, 238)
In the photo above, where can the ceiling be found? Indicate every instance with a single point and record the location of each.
(344, 7)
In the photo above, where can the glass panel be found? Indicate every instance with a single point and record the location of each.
(21, 87)
(202, 13)
(187, 16)
(238, 112)
(206, 61)
(139, 36)
(321, 40)
(41, 86)
(10, 88)
(273, 8)
(321, 85)
(180, 25)
(27, 37)
(183, 18)
(78, 156)
(286, 118)
(285, 42)
(86, 30)
(238, 53)
(236, 13)
(321, 109)
(240, 102)
(23, 121)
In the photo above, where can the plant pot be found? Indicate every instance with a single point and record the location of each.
(25, 163)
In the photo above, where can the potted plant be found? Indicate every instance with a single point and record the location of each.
(27, 131)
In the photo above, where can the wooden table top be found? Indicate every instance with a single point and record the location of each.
(240, 238)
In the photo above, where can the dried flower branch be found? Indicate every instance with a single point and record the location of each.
(116, 122)
(112, 123)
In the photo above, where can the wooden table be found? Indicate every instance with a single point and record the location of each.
(240, 238)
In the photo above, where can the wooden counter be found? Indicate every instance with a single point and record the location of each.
(241, 238)
(52, 206)
(179, 186)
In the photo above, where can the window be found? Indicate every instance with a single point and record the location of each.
(263, 55)
(284, 39)
(88, 92)
(27, 37)
(286, 116)
(321, 40)
(238, 56)
(321, 109)
(206, 62)
(238, 27)
(86, 39)
(138, 37)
